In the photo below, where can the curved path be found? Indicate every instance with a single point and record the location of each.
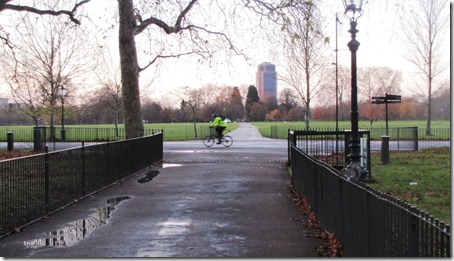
(202, 202)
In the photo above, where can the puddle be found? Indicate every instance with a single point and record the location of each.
(149, 176)
(170, 165)
(77, 230)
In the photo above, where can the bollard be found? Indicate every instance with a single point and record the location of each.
(10, 140)
(384, 156)
(37, 142)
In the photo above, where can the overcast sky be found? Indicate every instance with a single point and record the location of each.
(378, 36)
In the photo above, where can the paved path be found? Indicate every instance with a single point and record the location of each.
(202, 202)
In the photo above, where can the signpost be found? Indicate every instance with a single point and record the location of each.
(388, 98)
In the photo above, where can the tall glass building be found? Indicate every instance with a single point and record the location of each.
(266, 81)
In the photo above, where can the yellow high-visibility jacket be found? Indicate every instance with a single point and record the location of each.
(218, 122)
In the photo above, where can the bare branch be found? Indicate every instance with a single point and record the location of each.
(166, 56)
(22, 8)
(164, 26)
(231, 45)
(6, 41)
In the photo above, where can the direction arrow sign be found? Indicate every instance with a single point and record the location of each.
(393, 97)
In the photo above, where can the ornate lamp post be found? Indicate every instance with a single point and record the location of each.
(62, 92)
(354, 170)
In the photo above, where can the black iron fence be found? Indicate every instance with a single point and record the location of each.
(330, 146)
(72, 134)
(367, 222)
(403, 138)
(38, 138)
(34, 186)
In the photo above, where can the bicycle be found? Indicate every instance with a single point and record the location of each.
(209, 140)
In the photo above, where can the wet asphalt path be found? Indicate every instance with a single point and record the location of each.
(202, 202)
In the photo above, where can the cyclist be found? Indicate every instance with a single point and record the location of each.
(219, 125)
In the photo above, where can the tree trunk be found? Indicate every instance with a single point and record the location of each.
(307, 116)
(193, 120)
(129, 70)
(429, 109)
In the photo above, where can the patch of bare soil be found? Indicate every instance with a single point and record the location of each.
(14, 154)
(331, 245)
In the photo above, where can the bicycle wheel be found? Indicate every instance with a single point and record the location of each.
(227, 141)
(208, 141)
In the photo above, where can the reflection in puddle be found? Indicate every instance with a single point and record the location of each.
(78, 229)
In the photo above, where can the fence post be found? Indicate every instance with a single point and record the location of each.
(369, 160)
(108, 160)
(46, 179)
(291, 140)
(414, 233)
(447, 241)
(83, 168)
(415, 137)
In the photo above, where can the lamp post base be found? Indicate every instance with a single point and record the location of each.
(354, 171)
(63, 135)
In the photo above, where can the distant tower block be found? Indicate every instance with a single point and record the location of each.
(266, 81)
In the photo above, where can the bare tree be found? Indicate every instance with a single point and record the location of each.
(171, 29)
(193, 102)
(133, 22)
(111, 91)
(344, 91)
(195, 28)
(379, 80)
(28, 97)
(425, 24)
(110, 95)
(46, 54)
(306, 56)
(40, 8)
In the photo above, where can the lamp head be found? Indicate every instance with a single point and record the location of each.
(62, 91)
(352, 8)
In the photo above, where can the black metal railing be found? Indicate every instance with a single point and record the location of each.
(367, 222)
(403, 138)
(331, 147)
(34, 186)
(72, 134)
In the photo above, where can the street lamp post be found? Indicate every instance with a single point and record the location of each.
(354, 170)
(337, 79)
(62, 92)
(337, 93)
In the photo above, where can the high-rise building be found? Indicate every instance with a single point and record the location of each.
(266, 81)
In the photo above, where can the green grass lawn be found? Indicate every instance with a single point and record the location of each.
(361, 124)
(172, 131)
(186, 131)
(421, 178)
(440, 129)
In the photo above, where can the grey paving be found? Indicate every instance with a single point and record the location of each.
(201, 202)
